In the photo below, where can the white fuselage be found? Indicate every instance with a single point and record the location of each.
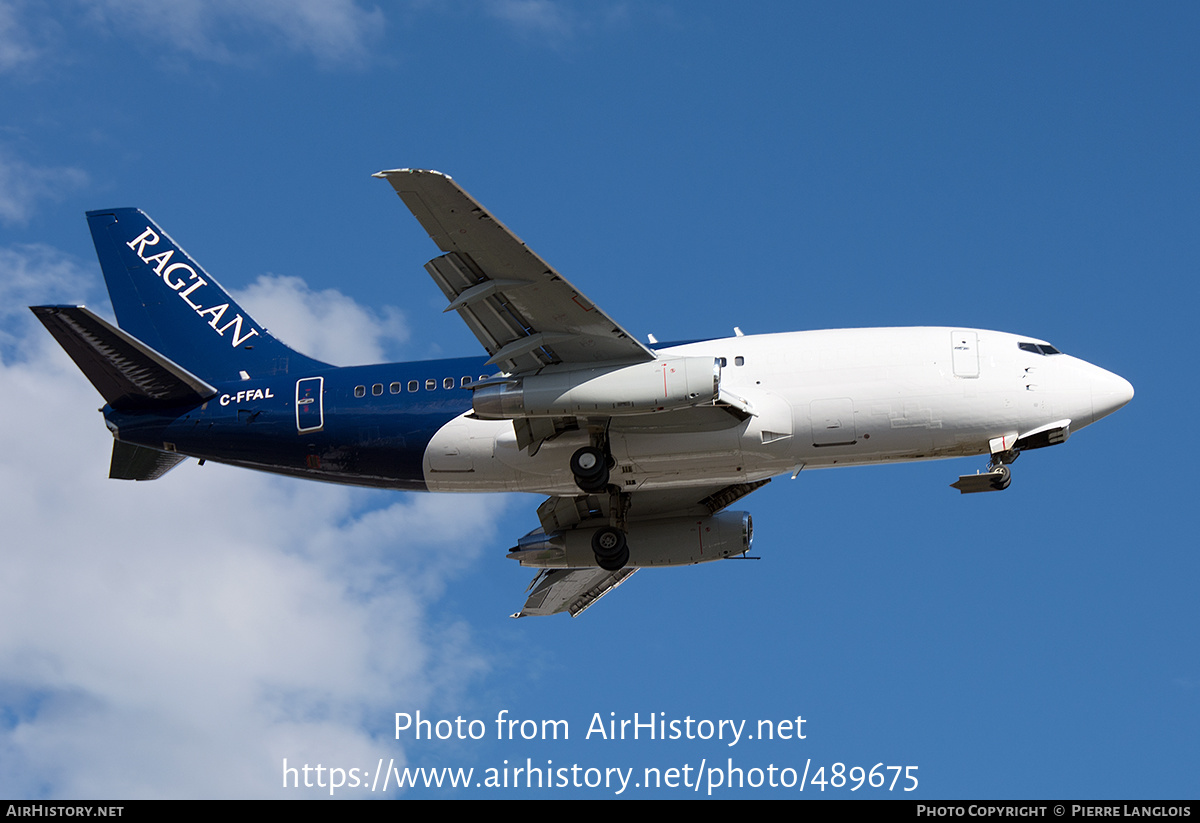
(818, 399)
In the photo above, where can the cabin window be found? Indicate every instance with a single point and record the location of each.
(394, 388)
(360, 391)
(483, 377)
(430, 384)
(739, 361)
(723, 362)
(447, 382)
(377, 389)
(414, 385)
(464, 381)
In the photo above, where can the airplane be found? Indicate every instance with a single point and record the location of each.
(640, 449)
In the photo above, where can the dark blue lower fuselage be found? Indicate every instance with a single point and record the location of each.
(364, 425)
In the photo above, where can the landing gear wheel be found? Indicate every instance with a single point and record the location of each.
(995, 479)
(590, 467)
(612, 552)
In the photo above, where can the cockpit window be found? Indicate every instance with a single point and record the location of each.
(1038, 348)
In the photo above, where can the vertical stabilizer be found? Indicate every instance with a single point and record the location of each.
(165, 299)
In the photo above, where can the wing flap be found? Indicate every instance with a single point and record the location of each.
(525, 313)
(570, 590)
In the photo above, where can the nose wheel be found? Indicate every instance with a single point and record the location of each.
(996, 479)
(1001, 476)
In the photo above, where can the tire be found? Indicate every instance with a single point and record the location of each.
(610, 548)
(589, 465)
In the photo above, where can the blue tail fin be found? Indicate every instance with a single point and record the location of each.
(162, 297)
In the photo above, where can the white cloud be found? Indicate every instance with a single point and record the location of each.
(22, 185)
(535, 17)
(555, 23)
(180, 638)
(36, 274)
(16, 46)
(39, 274)
(331, 30)
(327, 324)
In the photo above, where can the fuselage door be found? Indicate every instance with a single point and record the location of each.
(833, 422)
(965, 353)
(310, 411)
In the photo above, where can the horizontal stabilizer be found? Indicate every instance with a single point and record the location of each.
(129, 374)
(130, 462)
(570, 590)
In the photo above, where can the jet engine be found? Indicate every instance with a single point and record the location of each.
(660, 385)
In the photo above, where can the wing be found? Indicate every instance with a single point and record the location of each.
(524, 313)
(574, 590)
(569, 590)
(528, 316)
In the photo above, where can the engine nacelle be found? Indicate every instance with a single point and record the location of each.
(672, 541)
(643, 388)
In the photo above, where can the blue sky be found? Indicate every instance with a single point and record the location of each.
(691, 167)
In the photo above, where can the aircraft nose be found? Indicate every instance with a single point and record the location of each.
(1109, 393)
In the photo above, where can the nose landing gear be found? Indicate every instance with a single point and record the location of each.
(993, 480)
(997, 477)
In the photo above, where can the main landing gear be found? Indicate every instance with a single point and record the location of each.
(590, 466)
(612, 551)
